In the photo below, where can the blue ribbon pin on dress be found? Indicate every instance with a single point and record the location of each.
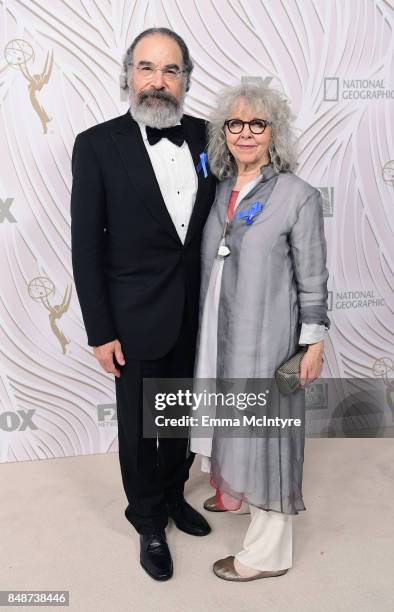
(250, 214)
(202, 164)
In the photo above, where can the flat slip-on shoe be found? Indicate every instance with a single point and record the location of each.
(155, 557)
(187, 519)
(224, 568)
(210, 505)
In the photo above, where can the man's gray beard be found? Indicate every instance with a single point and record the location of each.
(162, 115)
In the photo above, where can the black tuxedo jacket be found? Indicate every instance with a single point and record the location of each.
(132, 273)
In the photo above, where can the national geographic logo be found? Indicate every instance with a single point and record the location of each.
(388, 173)
(327, 194)
(336, 89)
(363, 298)
(20, 420)
(18, 53)
(5, 213)
(107, 415)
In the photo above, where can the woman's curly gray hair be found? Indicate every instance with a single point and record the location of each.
(267, 103)
(128, 56)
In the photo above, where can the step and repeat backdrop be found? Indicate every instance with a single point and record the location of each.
(60, 65)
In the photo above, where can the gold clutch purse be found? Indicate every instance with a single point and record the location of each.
(287, 376)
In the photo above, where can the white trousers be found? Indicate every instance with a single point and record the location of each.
(268, 543)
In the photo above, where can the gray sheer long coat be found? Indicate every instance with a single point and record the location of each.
(274, 280)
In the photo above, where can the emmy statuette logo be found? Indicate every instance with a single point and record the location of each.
(40, 289)
(388, 173)
(384, 368)
(18, 53)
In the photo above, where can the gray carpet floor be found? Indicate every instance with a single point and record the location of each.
(63, 528)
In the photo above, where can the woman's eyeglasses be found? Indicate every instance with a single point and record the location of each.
(256, 126)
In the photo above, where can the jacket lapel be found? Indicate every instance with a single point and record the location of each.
(197, 143)
(128, 141)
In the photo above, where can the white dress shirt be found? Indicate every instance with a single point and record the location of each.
(177, 178)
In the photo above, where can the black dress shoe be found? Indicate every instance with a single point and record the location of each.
(188, 520)
(155, 556)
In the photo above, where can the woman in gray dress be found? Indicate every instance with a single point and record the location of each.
(263, 293)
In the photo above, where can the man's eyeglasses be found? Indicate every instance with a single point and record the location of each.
(256, 126)
(170, 73)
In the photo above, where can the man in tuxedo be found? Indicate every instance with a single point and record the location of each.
(140, 198)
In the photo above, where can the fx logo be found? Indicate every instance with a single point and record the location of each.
(106, 413)
(5, 212)
(11, 421)
(256, 80)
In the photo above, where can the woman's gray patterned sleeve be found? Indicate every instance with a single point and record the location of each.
(309, 252)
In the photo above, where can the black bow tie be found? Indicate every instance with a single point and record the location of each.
(175, 134)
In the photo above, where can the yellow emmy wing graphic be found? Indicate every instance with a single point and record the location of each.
(17, 53)
(40, 289)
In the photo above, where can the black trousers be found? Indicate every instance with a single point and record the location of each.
(153, 472)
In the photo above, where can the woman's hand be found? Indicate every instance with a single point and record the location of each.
(311, 363)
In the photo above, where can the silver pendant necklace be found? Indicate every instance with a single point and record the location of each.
(223, 250)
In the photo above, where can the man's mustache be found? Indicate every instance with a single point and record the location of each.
(158, 95)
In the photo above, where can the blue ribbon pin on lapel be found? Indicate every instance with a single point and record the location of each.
(202, 164)
(250, 214)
